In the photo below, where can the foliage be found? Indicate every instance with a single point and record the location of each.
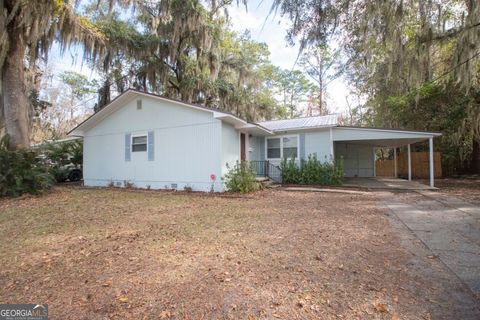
(312, 171)
(295, 89)
(291, 172)
(27, 33)
(63, 157)
(186, 51)
(68, 94)
(22, 171)
(439, 108)
(320, 64)
(241, 178)
(412, 65)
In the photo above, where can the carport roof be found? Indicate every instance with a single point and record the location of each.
(380, 137)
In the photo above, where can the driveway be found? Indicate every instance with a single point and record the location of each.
(385, 183)
(447, 226)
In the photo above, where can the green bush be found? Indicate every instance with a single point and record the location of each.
(241, 178)
(63, 157)
(22, 172)
(290, 172)
(312, 171)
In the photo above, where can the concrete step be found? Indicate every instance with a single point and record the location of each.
(267, 182)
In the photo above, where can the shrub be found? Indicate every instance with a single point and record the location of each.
(312, 171)
(241, 178)
(22, 172)
(290, 171)
(64, 157)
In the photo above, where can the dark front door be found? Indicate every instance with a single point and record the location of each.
(243, 155)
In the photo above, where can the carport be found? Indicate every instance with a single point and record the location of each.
(356, 146)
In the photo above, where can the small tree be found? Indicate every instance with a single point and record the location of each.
(22, 171)
(241, 178)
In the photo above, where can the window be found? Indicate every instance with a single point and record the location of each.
(139, 143)
(284, 147)
(290, 147)
(273, 148)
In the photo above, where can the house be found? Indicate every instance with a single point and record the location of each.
(155, 142)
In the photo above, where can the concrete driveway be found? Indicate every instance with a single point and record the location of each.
(447, 226)
(385, 183)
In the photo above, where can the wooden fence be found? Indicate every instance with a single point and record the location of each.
(420, 165)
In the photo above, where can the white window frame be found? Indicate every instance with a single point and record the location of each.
(297, 136)
(136, 136)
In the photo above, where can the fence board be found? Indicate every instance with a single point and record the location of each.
(420, 165)
(384, 168)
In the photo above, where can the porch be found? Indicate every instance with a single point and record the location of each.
(266, 169)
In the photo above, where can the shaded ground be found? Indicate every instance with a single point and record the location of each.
(386, 183)
(467, 189)
(119, 254)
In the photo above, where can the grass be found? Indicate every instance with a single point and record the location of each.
(125, 254)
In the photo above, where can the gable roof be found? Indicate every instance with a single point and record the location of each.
(261, 128)
(327, 121)
(128, 95)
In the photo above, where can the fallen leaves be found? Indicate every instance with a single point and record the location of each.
(123, 299)
(381, 307)
(282, 256)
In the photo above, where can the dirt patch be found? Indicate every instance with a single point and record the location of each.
(118, 254)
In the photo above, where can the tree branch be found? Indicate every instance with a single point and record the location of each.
(448, 34)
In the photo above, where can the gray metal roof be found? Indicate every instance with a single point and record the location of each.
(330, 120)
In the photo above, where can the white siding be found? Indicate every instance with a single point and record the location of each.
(187, 147)
(318, 143)
(230, 147)
(358, 159)
(350, 134)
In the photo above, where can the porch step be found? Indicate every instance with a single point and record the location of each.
(267, 182)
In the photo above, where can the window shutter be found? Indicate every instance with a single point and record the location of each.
(151, 146)
(302, 146)
(128, 138)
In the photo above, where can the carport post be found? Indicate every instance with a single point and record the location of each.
(395, 162)
(430, 142)
(409, 163)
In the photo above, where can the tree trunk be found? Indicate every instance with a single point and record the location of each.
(475, 167)
(2, 118)
(14, 95)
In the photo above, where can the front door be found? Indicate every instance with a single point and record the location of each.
(243, 155)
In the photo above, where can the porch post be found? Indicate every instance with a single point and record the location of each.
(430, 142)
(409, 163)
(395, 162)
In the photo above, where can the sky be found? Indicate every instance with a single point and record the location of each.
(272, 29)
(264, 26)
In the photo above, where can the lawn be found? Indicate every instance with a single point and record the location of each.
(125, 254)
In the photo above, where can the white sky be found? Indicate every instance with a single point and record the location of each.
(271, 30)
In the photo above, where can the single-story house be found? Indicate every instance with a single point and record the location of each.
(155, 142)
